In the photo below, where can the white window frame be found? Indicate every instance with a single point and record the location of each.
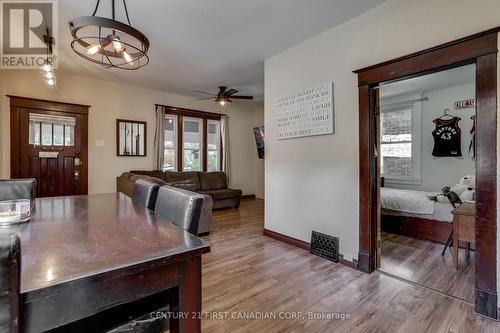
(174, 118)
(200, 121)
(414, 103)
(219, 144)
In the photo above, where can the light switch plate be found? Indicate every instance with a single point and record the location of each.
(99, 143)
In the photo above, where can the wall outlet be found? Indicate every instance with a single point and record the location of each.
(99, 143)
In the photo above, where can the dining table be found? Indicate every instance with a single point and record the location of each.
(83, 257)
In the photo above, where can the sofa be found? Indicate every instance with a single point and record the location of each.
(213, 184)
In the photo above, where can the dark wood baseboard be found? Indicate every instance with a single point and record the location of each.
(486, 303)
(287, 239)
(247, 197)
(305, 245)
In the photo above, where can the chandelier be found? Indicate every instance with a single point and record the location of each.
(109, 42)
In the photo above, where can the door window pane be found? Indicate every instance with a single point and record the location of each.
(170, 144)
(58, 135)
(51, 130)
(47, 134)
(34, 133)
(213, 145)
(69, 135)
(192, 147)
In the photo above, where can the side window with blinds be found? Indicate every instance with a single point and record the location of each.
(400, 142)
(47, 130)
(395, 142)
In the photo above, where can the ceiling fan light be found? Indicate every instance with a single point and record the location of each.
(222, 102)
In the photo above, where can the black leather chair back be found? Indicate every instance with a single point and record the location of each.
(11, 189)
(145, 193)
(10, 267)
(454, 199)
(181, 207)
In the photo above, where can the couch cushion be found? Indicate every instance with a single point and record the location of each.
(172, 176)
(155, 173)
(227, 193)
(215, 180)
(184, 184)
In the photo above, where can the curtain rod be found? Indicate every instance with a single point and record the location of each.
(177, 107)
(410, 101)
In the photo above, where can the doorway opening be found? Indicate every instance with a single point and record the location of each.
(426, 151)
(49, 143)
(479, 50)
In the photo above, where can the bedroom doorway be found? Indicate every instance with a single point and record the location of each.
(426, 152)
(480, 50)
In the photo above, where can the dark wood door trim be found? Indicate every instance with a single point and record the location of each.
(480, 49)
(42, 104)
(18, 103)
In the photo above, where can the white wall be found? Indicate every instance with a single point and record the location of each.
(312, 183)
(110, 101)
(439, 172)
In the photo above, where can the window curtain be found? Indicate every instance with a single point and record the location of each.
(224, 129)
(159, 142)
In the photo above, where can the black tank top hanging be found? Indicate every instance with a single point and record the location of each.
(447, 138)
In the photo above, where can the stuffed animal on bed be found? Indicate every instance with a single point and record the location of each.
(465, 189)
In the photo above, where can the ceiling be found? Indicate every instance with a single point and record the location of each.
(202, 44)
(440, 80)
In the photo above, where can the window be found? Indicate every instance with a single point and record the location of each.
(400, 143)
(47, 130)
(192, 140)
(213, 146)
(192, 144)
(170, 153)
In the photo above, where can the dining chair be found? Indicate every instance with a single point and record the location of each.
(10, 267)
(11, 189)
(145, 193)
(455, 202)
(181, 207)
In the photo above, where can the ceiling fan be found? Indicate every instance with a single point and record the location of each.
(224, 96)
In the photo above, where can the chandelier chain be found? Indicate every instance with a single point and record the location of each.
(113, 10)
(96, 7)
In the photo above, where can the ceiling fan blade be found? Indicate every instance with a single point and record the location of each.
(230, 92)
(242, 97)
(201, 99)
(204, 92)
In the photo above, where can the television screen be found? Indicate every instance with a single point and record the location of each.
(259, 140)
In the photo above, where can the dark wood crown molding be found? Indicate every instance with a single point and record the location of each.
(34, 103)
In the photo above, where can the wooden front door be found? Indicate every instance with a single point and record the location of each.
(51, 142)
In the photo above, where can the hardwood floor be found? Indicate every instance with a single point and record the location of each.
(248, 273)
(421, 262)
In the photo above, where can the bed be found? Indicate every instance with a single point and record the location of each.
(412, 213)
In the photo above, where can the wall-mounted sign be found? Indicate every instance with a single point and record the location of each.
(306, 113)
(465, 104)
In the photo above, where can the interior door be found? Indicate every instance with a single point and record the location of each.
(377, 173)
(51, 151)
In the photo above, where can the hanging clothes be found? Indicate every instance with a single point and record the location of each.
(472, 144)
(447, 138)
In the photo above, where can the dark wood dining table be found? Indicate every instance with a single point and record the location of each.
(84, 255)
